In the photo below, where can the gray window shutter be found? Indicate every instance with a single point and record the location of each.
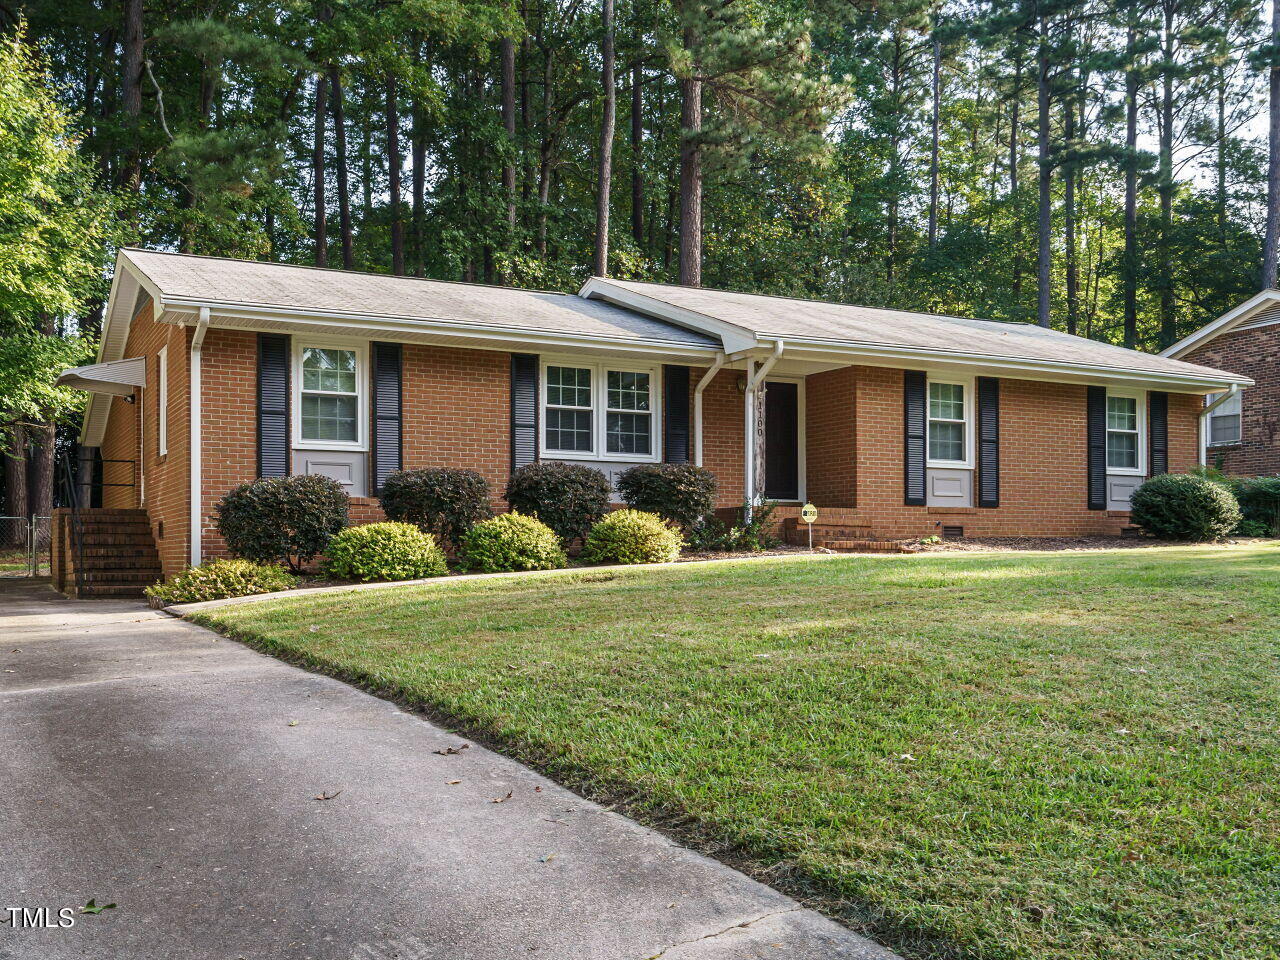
(988, 442)
(273, 405)
(1097, 429)
(524, 409)
(388, 417)
(914, 441)
(675, 412)
(1158, 427)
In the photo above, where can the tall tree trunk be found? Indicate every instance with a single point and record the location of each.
(1271, 244)
(317, 172)
(1130, 263)
(1168, 320)
(343, 175)
(691, 172)
(393, 177)
(17, 503)
(637, 157)
(604, 178)
(1069, 170)
(1014, 111)
(933, 140)
(507, 54)
(418, 189)
(131, 90)
(1044, 222)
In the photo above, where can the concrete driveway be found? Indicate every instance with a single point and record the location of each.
(150, 764)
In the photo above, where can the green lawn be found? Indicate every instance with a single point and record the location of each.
(1005, 755)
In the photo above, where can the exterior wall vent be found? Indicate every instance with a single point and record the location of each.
(952, 533)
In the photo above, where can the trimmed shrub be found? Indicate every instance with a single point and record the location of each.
(1179, 506)
(219, 579)
(282, 519)
(632, 536)
(679, 492)
(384, 551)
(439, 500)
(1259, 499)
(512, 541)
(567, 497)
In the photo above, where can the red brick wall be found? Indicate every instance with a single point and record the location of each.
(831, 468)
(1252, 353)
(723, 432)
(162, 483)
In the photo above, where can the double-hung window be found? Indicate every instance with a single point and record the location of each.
(1224, 420)
(948, 423)
(598, 411)
(329, 396)
(1123, 432)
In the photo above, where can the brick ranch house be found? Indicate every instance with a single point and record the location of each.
(1241, 425)
(213, 372)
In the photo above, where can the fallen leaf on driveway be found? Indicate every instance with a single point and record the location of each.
(92, 907)
(450, 751)
(547, 859)
(453, 783)
(327, 796)
(503, 799)
(293, 723)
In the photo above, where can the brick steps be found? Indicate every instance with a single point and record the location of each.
(118, 557)
(869, 546)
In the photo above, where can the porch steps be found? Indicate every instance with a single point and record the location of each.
(797, 534)
(870, 546)
(118, 556)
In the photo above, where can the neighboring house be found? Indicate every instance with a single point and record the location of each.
(214, 372)
(1242, 428)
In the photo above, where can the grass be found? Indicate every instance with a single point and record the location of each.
(1039, 756)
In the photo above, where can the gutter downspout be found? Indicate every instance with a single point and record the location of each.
(707, 377)
(197, 342)
(755, 377)
(1204, 421)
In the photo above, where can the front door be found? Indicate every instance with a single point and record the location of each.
(781, 441)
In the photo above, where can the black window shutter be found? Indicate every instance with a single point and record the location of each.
(524, 409)
(1097, 427)
(1158, 425)
(675, 406)
(988, 442)
(273, 405)
(913, 401)
(388, 417)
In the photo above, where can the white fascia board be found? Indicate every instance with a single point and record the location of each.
(502, 337)
(1018, 367)
(733, 337)
(1226, 322)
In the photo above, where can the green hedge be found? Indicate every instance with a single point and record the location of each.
(567, 497)
(632, 536)
(679, 492)
(219, 579)
(1176, 506)
(384, 551)
(509, 542)
(441, 501)
(286, 520)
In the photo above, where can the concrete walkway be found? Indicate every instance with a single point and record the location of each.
(151, 764)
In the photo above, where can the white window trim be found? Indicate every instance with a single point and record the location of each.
(599, 400)
(1141, 405)
(361, 349)
(162, 395)
(967, 383)
(1239, 415)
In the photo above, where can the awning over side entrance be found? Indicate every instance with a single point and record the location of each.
(117, 377)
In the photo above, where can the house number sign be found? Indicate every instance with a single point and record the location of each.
(809, 513)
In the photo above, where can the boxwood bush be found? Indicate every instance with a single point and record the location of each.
(679, 492)
(384, 551)
(439, 500)
(1259, 499)
(219, 579)
(633, 536)
(282, 519)
(511, 541)
(1175, 506)
(567, 497)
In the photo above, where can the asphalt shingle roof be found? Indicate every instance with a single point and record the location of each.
(254, 283)
(872, 326)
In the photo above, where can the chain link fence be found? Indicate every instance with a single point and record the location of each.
(25, 544)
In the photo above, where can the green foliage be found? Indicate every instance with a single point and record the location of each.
(1184, 507)
(1259, 499)
(442, 501)
(633, 536)
(567, 497)
(512, 541)
(282, 519)
(384, 551)
(755, 535)
(219, 579)
(679, 492)
(30, 363)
